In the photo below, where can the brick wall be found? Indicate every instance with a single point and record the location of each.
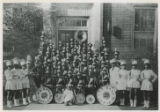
(122, 29)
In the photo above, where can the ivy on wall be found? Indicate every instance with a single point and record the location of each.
(23, 26)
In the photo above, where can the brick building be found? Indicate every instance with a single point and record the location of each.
(131, 28)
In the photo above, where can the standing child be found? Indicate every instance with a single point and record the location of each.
(9, 84)
(134, 83)
(148, 78)
(25, 83)
(17, 83)
(122, 81)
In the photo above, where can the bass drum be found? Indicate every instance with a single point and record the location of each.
(90, 99)
(44, 95)
(106, 95)
(59, 98)
(80, 98)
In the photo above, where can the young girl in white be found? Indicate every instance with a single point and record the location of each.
(9, 84)
(122, 81)
(134, 83)
(25, 83)
(148, 78)
(17, 83)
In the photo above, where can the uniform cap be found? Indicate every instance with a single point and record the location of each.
(147, 61)
(8, 63)
(123, 62)
(15, 61)
(112, 61)
(23, 62)
(134, 62)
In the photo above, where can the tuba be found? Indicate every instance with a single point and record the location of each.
(80, 36)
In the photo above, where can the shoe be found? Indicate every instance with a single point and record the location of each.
(25, 101)
(135, 103)
(147, 104)
(131, 103)
(16, 103)
(121, 102)
(29, 100)
(144, 103)
(9, 104)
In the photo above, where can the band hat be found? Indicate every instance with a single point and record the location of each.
(15, 61)
(134, 62)
(116, 52)
(29, 57)
(112, 61)
(23, 62)
(8, 63)
(147, 61)
(123, 62)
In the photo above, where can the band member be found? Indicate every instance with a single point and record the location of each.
(25, 83)
(69, 94)
(9, 87)
(122, 81)
(134, 83)
(148, 78)
(114, 72)
(116, 57)
(17, 83)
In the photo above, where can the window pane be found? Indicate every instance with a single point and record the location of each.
(84, 22)
(144, 19)
(72, 21)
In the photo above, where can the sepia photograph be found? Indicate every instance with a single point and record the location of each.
(80, 56)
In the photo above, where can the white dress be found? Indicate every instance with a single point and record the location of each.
(134, 78)
(122, 79)
(148, 77)
(114, 72)
(17, 83)
(25, 79)
(9, 80)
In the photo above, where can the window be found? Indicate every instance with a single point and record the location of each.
(144, 19)
(144, 28)
(68, 26)
(72, 21)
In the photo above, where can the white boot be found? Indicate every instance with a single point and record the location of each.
(145, 103)
(25, 101)
(16, 102)
(9, 104)
(135, 103)
(122, 101)
(29, 100)
(131, 103)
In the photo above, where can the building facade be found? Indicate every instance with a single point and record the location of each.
(131, 28)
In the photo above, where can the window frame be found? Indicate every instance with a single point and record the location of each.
(134, 31)
(67, 28)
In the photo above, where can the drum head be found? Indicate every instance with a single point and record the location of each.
(80, 98)
(90, 99)
(59, 98)
(44, 95)
(106, 95)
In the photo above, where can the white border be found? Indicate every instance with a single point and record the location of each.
(68, 1)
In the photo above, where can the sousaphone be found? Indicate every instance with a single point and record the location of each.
(80, 36)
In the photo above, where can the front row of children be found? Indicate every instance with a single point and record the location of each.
(122, 80)
(17, 83)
